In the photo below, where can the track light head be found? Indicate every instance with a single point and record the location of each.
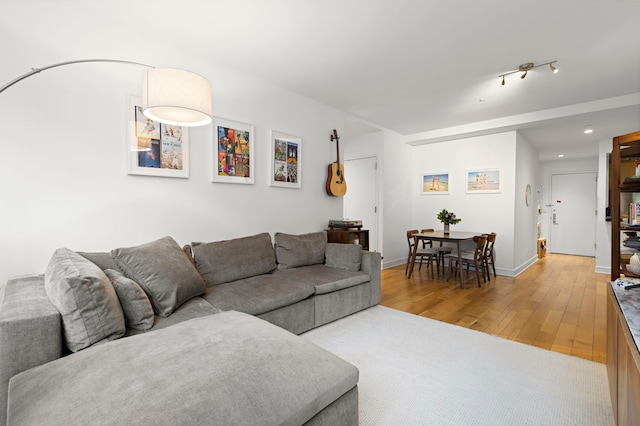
(525, 68)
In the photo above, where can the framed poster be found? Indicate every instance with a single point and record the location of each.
(153, 148)
(286, 160)
(435, 183)
(233, 158)
(483, 181)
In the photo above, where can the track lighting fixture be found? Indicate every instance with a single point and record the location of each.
(525, 68)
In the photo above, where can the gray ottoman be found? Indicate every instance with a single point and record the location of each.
(225, 369)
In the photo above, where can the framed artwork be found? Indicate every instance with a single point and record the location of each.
(483, 181)
(155, 149)
(233, 158)
(435, 183)
(286, 160)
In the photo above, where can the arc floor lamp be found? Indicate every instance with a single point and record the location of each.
(169, 95)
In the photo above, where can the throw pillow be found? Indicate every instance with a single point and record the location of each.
(225, 261)
(85, 298)
(138, 312)
(300, 250)
(102, 259)
(163, 271)
(344, 256)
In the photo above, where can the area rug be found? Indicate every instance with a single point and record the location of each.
(418, 371)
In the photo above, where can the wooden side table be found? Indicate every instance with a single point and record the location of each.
(349, 236)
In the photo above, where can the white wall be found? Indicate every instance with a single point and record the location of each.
(481, 213)
(398, 198)
(603, 228)
(64, 178)
(526, 217)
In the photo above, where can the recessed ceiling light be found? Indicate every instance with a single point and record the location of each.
(560, 155)
(588, 129)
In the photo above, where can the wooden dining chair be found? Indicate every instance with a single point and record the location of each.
(473, 258)
(443, 251)
(489, 255)
(422, 253)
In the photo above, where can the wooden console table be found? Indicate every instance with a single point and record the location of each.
(349, 236)
(623, 358)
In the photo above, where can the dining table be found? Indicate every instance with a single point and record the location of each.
(450, 237)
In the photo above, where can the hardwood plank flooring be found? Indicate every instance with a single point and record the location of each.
(559, 303)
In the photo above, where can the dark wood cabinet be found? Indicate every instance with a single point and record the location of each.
(623, 180)
(349, 236)
(623, 365)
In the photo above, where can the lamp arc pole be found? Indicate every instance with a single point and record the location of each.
(38, 70)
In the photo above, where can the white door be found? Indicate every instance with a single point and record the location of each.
(573, 214)
(361, 200)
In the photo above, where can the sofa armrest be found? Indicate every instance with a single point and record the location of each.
(371, 264)
(30, 330)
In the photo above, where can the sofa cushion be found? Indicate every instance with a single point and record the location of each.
(85, 298)
(300, 250)
(257, 295)
(344, 256)
(321, 278)
(138, 312)
(225, 369)
(193, 308)
(230, 260)
(163, 271)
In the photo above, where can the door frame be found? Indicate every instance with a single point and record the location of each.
(373, 245)
(551, 203)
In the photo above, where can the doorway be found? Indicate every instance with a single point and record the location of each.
(573, 214)
(361, 200)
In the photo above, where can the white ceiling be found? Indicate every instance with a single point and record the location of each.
(412, 66)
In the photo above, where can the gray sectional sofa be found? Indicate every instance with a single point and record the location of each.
(163, 334)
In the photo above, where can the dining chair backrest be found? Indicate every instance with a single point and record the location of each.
(491, 239)
(481, 241)
(426, 243)
(410, 239)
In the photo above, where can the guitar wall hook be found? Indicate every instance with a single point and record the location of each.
(336, 184)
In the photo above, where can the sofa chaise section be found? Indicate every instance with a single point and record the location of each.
(230, 368)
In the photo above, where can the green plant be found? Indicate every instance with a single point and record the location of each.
(448, 218)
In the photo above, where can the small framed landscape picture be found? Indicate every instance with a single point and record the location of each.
(435, 183)
(233, 158)
(155, 149)
(286, 160)
(483, 181)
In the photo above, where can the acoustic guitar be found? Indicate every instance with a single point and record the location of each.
(336, 184)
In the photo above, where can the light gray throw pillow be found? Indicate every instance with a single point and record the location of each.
(300, 250)
(163, 271)
(85, 298)
(344, 256)
(225, 261)
(137, 309)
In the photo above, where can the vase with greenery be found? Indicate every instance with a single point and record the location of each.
(448, 218)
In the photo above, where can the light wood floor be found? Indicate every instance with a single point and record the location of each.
(559, 303)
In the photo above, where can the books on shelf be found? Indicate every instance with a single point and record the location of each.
(634, 214)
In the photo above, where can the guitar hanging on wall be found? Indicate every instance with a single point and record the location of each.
(336, 184)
